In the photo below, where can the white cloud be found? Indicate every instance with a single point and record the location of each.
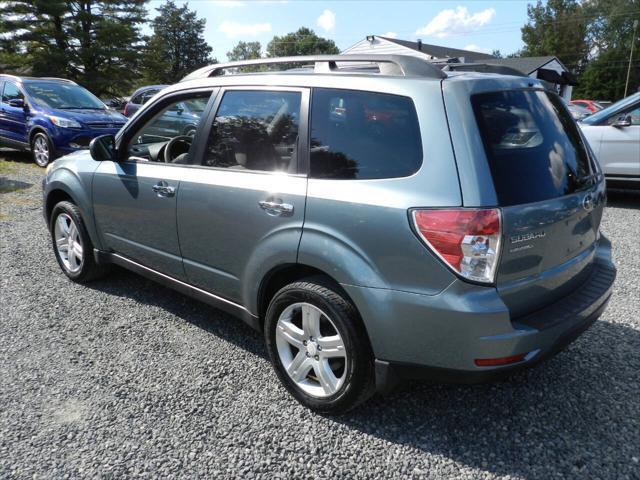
(327, 20)
(455, 22)
(475, 48)
(235, 29)
(229, 3)
(389, 35)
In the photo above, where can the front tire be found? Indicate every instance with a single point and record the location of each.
(318, 347)
(42, 149)
(72, 245)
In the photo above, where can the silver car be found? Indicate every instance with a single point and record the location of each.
(376, 217)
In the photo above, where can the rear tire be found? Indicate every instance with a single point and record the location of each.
(318, 347)
(72, 246)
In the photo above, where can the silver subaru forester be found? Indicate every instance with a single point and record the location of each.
(377, 217)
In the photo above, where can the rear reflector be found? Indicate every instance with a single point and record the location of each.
(467, 240)
(493, 362)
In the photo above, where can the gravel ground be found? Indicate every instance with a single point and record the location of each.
(124, 377)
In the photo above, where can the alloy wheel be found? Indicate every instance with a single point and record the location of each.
(311, 350)
(41, 150)
(68, 243)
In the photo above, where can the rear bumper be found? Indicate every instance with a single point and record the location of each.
(440, 337)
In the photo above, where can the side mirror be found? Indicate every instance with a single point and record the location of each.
(17, 103)
(103, 148)
(622, 121)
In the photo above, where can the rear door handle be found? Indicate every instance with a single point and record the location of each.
(276, 207)
(163, 189)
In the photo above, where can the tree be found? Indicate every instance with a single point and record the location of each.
(245, 51)
(94, 42)
(610, 36)
(592, 38)
(177, 46)
(303, 42)
(559, 28)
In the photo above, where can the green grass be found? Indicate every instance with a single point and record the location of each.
(13, 161)
(6, 167)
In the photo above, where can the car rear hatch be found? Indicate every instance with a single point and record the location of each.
(549, 191)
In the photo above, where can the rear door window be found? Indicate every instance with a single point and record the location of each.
(533, 146)
(255, 130)
(363, 135)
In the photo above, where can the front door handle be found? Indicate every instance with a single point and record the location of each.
(276, 207)
(163, 189)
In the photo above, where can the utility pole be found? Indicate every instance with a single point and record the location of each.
(633, 41)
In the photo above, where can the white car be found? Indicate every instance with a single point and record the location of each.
(614, 136)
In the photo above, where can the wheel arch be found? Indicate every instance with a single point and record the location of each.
(65, 185)
(54, 197)
(38, 129)
(283, 275)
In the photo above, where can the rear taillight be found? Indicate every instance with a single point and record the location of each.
(125, 112)
(467, 240)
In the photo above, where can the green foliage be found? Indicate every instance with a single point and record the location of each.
(245, 51)
(557, 27)
(605, 76)
(592, 38)
(303, 42)
(610, 37)
(94, 42)
(177, 46)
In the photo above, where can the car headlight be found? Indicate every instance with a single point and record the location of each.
(64, 122)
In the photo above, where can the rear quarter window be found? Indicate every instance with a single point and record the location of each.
(533, 146)
(363, 135)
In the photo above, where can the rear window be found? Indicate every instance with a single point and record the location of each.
(534, 149)
(363, 135)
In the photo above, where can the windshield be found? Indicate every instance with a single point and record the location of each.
(62, 96)
(604, 114)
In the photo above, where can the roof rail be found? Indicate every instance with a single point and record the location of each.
(481, 68)
(9, 75)
(399, 65)
(59, 79)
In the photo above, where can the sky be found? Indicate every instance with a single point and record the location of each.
(474, 25)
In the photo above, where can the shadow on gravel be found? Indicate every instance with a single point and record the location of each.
(572, 415)
(8, 186)
(16, 156)
(618, 198)
(569, 415)
(127, 284)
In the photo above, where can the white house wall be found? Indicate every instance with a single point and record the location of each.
(380, 46)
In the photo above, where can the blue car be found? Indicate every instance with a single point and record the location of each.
(51, 116)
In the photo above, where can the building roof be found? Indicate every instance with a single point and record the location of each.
(526, 65)
(441, 52)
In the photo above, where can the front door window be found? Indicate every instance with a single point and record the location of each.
(167, 136)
